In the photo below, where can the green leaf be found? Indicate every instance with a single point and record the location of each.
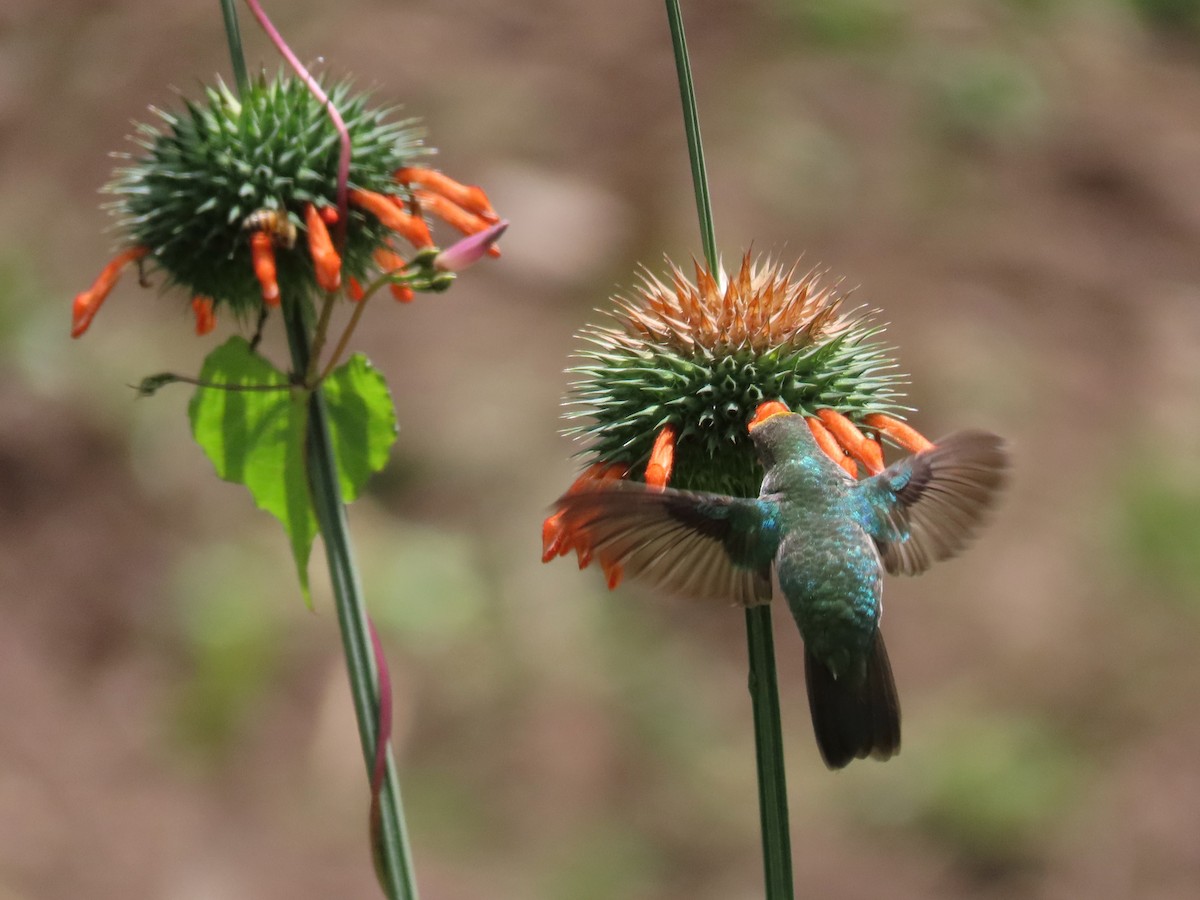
(362, 422)
(255, 435)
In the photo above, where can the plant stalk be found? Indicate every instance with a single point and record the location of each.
(691, 127)
(760, 643)
(236, 55)
(768, 746)
(393, 858)
(390, 845)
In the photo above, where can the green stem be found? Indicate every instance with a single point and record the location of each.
(691, 126)
(236, 54)
(768, 745)
(393, 858)
(764, 689)
(392, 855)
(344, 341)
(318, 343)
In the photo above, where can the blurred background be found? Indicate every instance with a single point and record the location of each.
(1015, 183)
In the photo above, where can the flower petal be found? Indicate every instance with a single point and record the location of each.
(470, 249)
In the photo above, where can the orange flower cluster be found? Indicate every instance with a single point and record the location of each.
(463, 207)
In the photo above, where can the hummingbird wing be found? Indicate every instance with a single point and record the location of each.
(707, 546)
(927, 507)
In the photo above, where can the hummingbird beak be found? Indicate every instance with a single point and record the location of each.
(765, 411)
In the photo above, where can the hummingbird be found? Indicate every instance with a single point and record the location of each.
(817, 536)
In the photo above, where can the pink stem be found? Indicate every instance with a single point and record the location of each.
(338, 123)
(383, 733)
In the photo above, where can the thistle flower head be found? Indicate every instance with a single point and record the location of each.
(229, 165)
(699, 357)
(670, 386)
(233, 198)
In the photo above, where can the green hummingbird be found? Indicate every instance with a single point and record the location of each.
(821, 539)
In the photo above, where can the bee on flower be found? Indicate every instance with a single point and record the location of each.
(234, 200)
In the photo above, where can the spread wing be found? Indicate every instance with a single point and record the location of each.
(927, 507)
(706, 546)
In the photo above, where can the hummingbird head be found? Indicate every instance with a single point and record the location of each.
(778, 433)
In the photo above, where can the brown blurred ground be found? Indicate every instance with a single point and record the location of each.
(1015, 184)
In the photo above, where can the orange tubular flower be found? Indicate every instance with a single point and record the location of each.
(765, 410)
(388, 262)
(904, 435)
(262, 252)
(326, 263)
(454, 216)
(662, 458)
(412, 228)
(206, 319)
(613, 572)
(87, 303)
(467, 196)
(829, 444)
(557, 540)
(852, 440)
(355, 290)
(872, 455)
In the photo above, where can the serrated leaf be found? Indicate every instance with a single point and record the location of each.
(362, 422)
(256, 437)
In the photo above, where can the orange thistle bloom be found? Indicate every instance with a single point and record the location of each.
(829, 444)
(262, 252)
(412, 228)
(326, 262)
(613, 573)
(834, 434)
(765, 410)
(87, 303)
(904, 435)
(454, 216)
(557, 540)
(468, 196)
(854, 442)
(389, 261)
(206, 318)
(662, 458)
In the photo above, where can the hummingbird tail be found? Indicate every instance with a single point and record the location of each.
(854, 720)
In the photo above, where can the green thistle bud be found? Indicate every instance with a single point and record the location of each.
(207, 173)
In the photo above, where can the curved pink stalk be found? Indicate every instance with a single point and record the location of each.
(383, 734)
(338, 123)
